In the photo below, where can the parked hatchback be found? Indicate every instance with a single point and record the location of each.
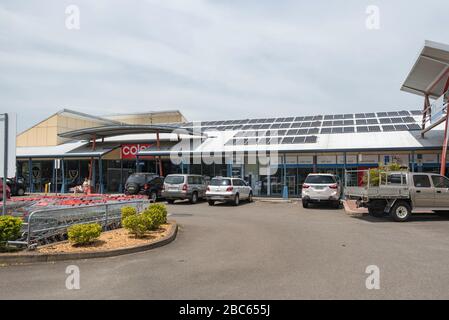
(17, 186)
(8, 191)
(228, 190)
(184, 186)
(149, 184)
(321, 188)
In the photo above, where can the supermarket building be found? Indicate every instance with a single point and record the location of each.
(69, 146)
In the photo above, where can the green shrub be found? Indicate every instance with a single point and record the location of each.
(10, 228)
(157, 213)
(128, 211)
(82, 234)
(137, 224)
(381, 172)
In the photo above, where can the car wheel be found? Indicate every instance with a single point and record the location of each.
(305, 204)
(236, 200)
(401, 211)
(211, 203)
(153, 196)
(170, 201)
(336, 204)
(250, 197)
(376, 208)
(21, 192)
(194, 198)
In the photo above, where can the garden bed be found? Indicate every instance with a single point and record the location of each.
(110, 240)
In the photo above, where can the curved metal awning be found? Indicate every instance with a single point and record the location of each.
(430, 71)
(120, 130)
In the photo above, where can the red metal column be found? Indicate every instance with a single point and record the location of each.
(446, 137)
(94, 146)
(158, 144)
(425, 112)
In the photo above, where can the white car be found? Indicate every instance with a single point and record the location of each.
(321, 188)
(228, 190)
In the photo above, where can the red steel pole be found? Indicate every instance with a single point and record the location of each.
(158, 143)
(446, 137)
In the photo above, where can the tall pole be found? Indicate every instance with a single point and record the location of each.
(5, 163)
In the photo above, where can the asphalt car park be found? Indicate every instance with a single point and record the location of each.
(260, 251)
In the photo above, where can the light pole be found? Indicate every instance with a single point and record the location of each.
(5, 162)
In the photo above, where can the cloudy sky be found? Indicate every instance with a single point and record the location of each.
(211, 59)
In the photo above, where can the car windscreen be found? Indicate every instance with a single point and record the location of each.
(220, 182)
(136, 178)
(174, 179)
(320, 180)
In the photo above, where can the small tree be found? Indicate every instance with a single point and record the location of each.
(137, 224)
(128, 211)
(84, 234)
(376, 174)
(10, 228)
(157, 213)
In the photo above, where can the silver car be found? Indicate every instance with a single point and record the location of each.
(225, 189)
(321, 188)
(184, 186)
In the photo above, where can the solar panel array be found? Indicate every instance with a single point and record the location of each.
(303, 129)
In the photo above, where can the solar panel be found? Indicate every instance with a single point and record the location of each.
(359, 115)
(408, 119)
(308, 118)
(396, 120)
(299, 119)
(306, 125)
(401, 127)
(292, 132)
(280, 120)
(348, 122)
(374, 129)
(393, 114)
(338, 116)
(313, 131)
(317, 118)
(327, 123)
(361, 122)
(288, 140)
(348, 129)
(382, 114)
(388, 128)
(404, 113)
(329, 117)
(285, 125)
(372, 121)
(326, 130)
(302, 131)
(416, 113)
(362, 129)
(296, 125)
(385, 120)
(299, 140)
(337, 123)
(289, 119)
(311, 139)
(337, 130)
(370, 115)
(276, 126)
(413, 127)
(348, 116)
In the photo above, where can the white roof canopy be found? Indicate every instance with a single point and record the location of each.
(429, 74)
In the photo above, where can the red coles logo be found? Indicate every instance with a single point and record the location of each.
(130, 151)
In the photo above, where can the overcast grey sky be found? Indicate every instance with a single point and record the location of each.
(211, 59)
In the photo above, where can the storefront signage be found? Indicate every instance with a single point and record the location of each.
(326, 159)
(130, 151)
(305, 160)
(369, 158)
